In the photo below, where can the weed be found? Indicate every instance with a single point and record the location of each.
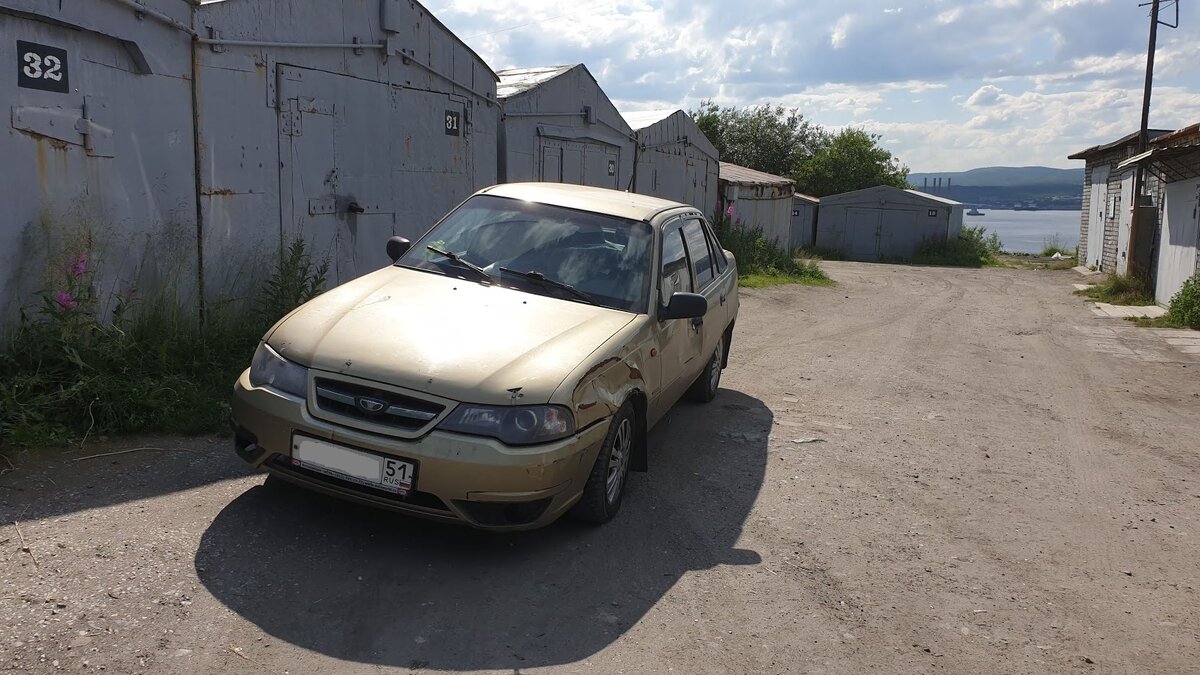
(758, 257)
(67, 373)
(1119, 290)
(296, 281)
(1184, 309)
(974, 247)
(1053, 244)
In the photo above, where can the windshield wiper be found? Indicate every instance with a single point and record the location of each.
(462, 262)
(538, 276)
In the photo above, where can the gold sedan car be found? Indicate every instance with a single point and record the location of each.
(506, 368)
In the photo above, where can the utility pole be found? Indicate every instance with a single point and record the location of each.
(1136, 266)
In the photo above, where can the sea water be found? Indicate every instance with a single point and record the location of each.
(1030, 231)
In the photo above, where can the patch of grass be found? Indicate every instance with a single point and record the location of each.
(1119, 290)
(762, 260)
(1053, 244)
(818, 253)
(1184, 309)
(67, 372)
(974, 247)
(768, 279)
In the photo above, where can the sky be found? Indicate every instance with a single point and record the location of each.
(948, 86)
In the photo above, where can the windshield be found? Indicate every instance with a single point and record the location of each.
(605, 258)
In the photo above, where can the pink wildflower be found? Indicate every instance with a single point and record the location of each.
(79, 265)
(65, 301)
(729, 211)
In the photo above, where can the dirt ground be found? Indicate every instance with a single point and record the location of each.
(1002, 482)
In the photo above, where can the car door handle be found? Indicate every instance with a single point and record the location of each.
(722, 299)
(697, 322)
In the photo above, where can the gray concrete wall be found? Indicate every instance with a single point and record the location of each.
(123, 193)
(547, 136)
(677, 162)
(884, 223)
(804, 222)
(342, 147)
(767, 207)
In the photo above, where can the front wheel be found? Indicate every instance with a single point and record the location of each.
(704, 389)
(605, 487)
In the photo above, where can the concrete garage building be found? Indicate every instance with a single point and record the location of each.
(675, 160)
(184, 144)
(97, 147)
(759, 200)
(1174, 160)
(805, 209)
(1107, 204)
(885, 222)
(559, 126)
(340, 122)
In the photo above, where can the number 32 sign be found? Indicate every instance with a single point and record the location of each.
(42, 67)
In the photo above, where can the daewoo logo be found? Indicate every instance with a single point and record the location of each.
(371, 405)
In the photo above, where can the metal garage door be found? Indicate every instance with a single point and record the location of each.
(1180, 237)
(862, 233)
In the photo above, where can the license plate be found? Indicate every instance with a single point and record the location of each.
(364, 468)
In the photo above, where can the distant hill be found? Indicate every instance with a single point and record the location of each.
(1000, 187)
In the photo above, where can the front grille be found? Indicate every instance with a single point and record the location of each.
(376, 406)
(414, 497)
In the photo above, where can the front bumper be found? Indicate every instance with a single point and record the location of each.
(465, 479)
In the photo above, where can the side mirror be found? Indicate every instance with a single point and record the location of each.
(684, 306)
(396, 247)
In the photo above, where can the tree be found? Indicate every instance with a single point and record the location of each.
(766, 138)
(851, 159)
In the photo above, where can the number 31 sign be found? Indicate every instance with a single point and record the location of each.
(42, 67)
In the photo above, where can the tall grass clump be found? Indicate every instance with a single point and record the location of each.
(1053, 244)
(760, 261)
(70, 372)
(1119, 290)
(1184, 310)
(974, 247)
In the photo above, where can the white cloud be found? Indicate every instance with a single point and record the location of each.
(837, 36)
(955, 84)
(986, 95)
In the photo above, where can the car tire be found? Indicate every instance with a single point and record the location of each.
(605, 487)
(704, 389)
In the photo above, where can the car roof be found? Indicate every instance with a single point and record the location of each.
(585, 198)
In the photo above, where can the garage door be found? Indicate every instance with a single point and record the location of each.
(1180, 237)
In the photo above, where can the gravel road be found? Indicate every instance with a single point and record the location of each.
(995, 480)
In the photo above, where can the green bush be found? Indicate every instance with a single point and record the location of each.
(1184, 309)
(974, 247)
(152, 367)
(1119, 290)
(756, 255)
(1053, 244)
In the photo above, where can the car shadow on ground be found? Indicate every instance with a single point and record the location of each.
(374, 587)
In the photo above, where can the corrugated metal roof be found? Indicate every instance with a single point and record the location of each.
(1189, 135)
(515, 81)
(1124, 140)
(741, 175)
(935, 198)
(645, 118)
(874, 193)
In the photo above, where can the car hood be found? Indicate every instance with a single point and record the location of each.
(448, 337)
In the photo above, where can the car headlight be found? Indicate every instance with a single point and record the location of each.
(512, 425)
(269, 369)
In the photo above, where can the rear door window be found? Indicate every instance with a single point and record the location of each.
(676, 277)
(698, 252)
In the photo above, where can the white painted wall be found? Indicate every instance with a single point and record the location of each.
(1180, 238)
